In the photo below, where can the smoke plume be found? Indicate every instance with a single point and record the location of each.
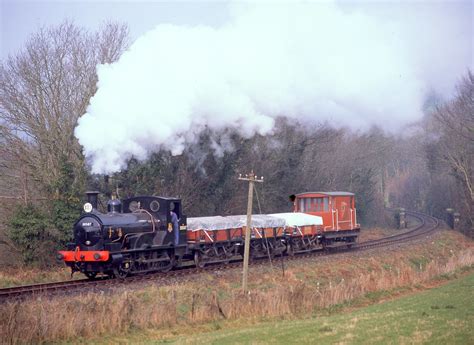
(307, 61)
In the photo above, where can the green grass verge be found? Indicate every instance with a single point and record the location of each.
(443, 315)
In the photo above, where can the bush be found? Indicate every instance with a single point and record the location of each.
(39, 233)
(28, 229)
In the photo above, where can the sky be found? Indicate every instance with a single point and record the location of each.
(241, 65)
(19, 18)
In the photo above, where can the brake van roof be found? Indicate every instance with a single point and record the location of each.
(328, 193)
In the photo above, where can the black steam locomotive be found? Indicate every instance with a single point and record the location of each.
(136, 236)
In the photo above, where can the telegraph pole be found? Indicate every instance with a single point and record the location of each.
(251, 178)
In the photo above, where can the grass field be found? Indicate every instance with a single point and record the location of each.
(443, 315)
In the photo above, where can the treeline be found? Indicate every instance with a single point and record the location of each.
(43, 174)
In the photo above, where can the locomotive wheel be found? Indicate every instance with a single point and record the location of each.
(91, 275)
(120, 273)
(161, 262)
(165, 266)
(198, 260)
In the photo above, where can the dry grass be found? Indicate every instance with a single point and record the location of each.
(29, 275)
(305, 289)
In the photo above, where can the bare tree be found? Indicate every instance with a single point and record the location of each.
(455, 130)
(43, 91)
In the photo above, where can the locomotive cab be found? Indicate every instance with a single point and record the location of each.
(161, 208)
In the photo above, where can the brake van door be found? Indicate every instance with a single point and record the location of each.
(343, 212)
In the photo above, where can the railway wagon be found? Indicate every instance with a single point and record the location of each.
(218, 239)
(337, 210)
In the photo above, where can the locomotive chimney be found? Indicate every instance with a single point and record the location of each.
(92, 198)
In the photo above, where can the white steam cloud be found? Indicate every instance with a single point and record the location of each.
(306, 61)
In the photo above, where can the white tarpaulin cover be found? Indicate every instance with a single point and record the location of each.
(258, 221)
(299, 219)
(210, 223)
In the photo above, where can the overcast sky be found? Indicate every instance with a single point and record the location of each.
(19, 18)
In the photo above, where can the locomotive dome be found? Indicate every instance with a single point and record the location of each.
(114, 206)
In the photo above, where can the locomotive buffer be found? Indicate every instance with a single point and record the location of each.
(251, 178)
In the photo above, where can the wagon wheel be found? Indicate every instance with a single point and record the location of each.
(269, 249)
(91, 275)
(223, 255)
(253, 254)
(326, 243)
(297, 245)
(229, 251)
(290, 250)
(351, 242)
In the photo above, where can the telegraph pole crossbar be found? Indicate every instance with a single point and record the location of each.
(251, 178)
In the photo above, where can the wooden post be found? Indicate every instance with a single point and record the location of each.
(251, 179)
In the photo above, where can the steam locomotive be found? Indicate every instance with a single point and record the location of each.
(149, 234)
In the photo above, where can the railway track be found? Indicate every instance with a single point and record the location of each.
(427, 225)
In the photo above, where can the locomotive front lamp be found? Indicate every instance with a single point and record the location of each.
(87, 207)
(97, 256)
